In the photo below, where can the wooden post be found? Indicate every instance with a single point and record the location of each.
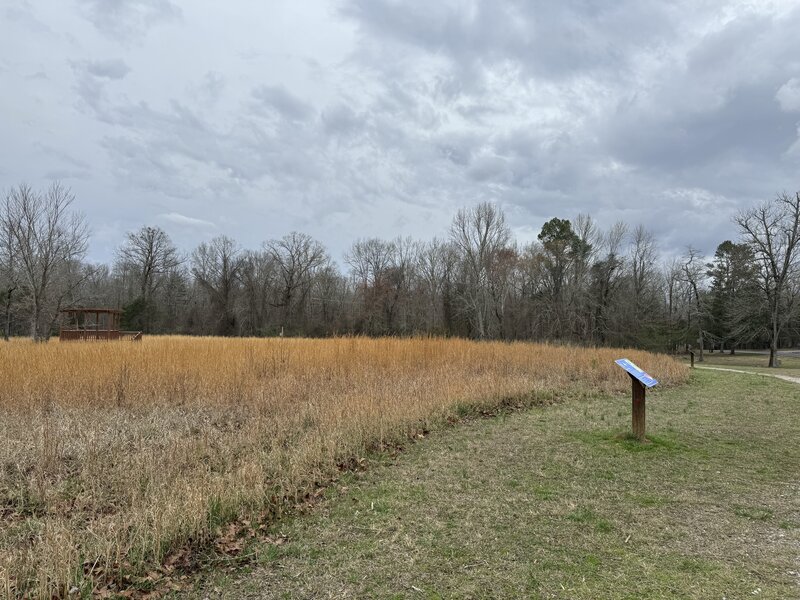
(638, 409)
(691, 357)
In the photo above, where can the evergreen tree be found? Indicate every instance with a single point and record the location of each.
(732, 274)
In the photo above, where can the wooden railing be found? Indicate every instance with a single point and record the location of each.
(94, 335)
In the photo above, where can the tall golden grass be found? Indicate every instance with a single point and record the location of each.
(114, 454)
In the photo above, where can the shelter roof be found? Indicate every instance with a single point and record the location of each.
(82, 309)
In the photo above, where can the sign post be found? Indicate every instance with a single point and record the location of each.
(638, 409)
(640, 381)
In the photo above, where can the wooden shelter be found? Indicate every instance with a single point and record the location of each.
(93, 324)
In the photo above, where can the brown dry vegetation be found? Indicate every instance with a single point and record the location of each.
(113, 455)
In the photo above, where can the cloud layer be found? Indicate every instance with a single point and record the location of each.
(379, 117)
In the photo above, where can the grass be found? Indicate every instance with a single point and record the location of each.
(755, 362)
(557, 502)
(119, 459)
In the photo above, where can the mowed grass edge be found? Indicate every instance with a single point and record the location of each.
(117, 454)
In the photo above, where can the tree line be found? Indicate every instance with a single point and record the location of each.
(576, 283)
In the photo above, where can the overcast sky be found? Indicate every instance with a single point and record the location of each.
(354, 118)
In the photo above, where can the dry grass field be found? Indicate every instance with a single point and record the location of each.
(114, 455)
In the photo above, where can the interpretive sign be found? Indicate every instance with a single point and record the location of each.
(636, 372)
(640, 381)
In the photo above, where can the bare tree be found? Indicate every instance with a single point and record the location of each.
(605, 279)
(586, 231)
(151, 253)
(642, 263)
(48, 238)
(9, 281)
(216, 266)
(693, 273)
(533, 290)
(772, 230)
(401, 275)
(433, 260)
(369, 259)
(584, 255)
(330, 294)
(371, 262)
(258, 275)
(479, 234)
(672, 278)
(149, 256)
(297, 257)
(501, 282)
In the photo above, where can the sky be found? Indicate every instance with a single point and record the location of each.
(358, 118)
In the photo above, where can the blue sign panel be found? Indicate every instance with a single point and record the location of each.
(636, 372)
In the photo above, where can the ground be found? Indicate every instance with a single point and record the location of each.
(755, 361)
(555, 503)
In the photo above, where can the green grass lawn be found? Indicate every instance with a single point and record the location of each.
(790, 365)
(555, 503)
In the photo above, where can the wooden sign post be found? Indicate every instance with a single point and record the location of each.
(640, 381)
(638, 409)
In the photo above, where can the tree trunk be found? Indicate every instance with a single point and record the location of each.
(35, 316)
(773, 351)
(7, 322)
(479, 322)
(773, 343)
(700, 338)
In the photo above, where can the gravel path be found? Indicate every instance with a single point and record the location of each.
(776, 376)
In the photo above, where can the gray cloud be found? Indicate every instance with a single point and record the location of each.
(378, 117)
(283, 102)
(341, 120)
(108, 69)
(555, 40)
(128, 17)
(23, 14)
(210, 89)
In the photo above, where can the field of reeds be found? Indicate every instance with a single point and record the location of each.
(114, 455)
